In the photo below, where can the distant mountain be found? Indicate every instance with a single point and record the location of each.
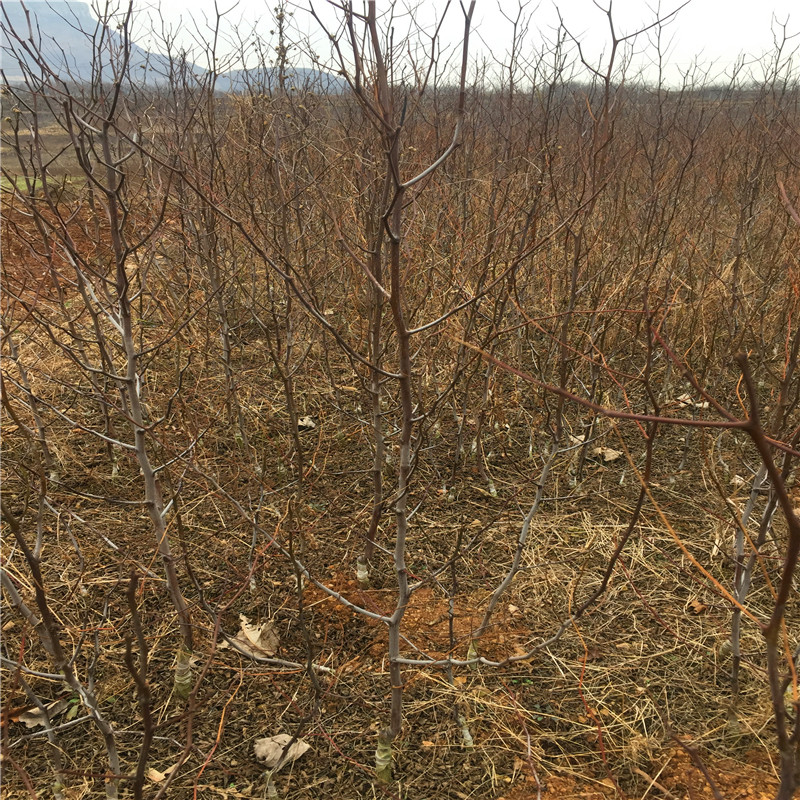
(66, 32)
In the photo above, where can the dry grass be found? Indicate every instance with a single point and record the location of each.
(608, 708)
(642, 664)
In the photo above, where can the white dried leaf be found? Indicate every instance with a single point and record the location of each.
(252, 632)
(609, 454)
(270, 750)
(718, 542)
(154, 775)
(688, 400)
(34, 718)
(576, 440)
(606, 453)
(306, 424)
(255, 640)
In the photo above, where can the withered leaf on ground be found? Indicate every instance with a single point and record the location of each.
(270, 750)
(255, 640)
(156, 776)
(33, 717)
(593, 653)
(696, 607)
(606, 453)
(688, 400)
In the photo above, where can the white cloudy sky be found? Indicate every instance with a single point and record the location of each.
(714, 32)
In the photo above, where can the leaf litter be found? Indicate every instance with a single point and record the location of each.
(254, 640)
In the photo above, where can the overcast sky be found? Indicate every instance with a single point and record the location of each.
(713, 32)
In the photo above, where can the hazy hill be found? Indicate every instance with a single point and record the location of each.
(66, 33)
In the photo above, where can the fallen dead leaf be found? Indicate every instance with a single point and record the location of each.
(593, 653)
(607, 454)
(154, 775)
(716, 549)
(33, 718)
(273, 752)
(688, 400)
(696, 607)
(255, 640)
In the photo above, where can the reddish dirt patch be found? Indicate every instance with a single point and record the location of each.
(427, 620)
(751, 779)
(554, 786)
